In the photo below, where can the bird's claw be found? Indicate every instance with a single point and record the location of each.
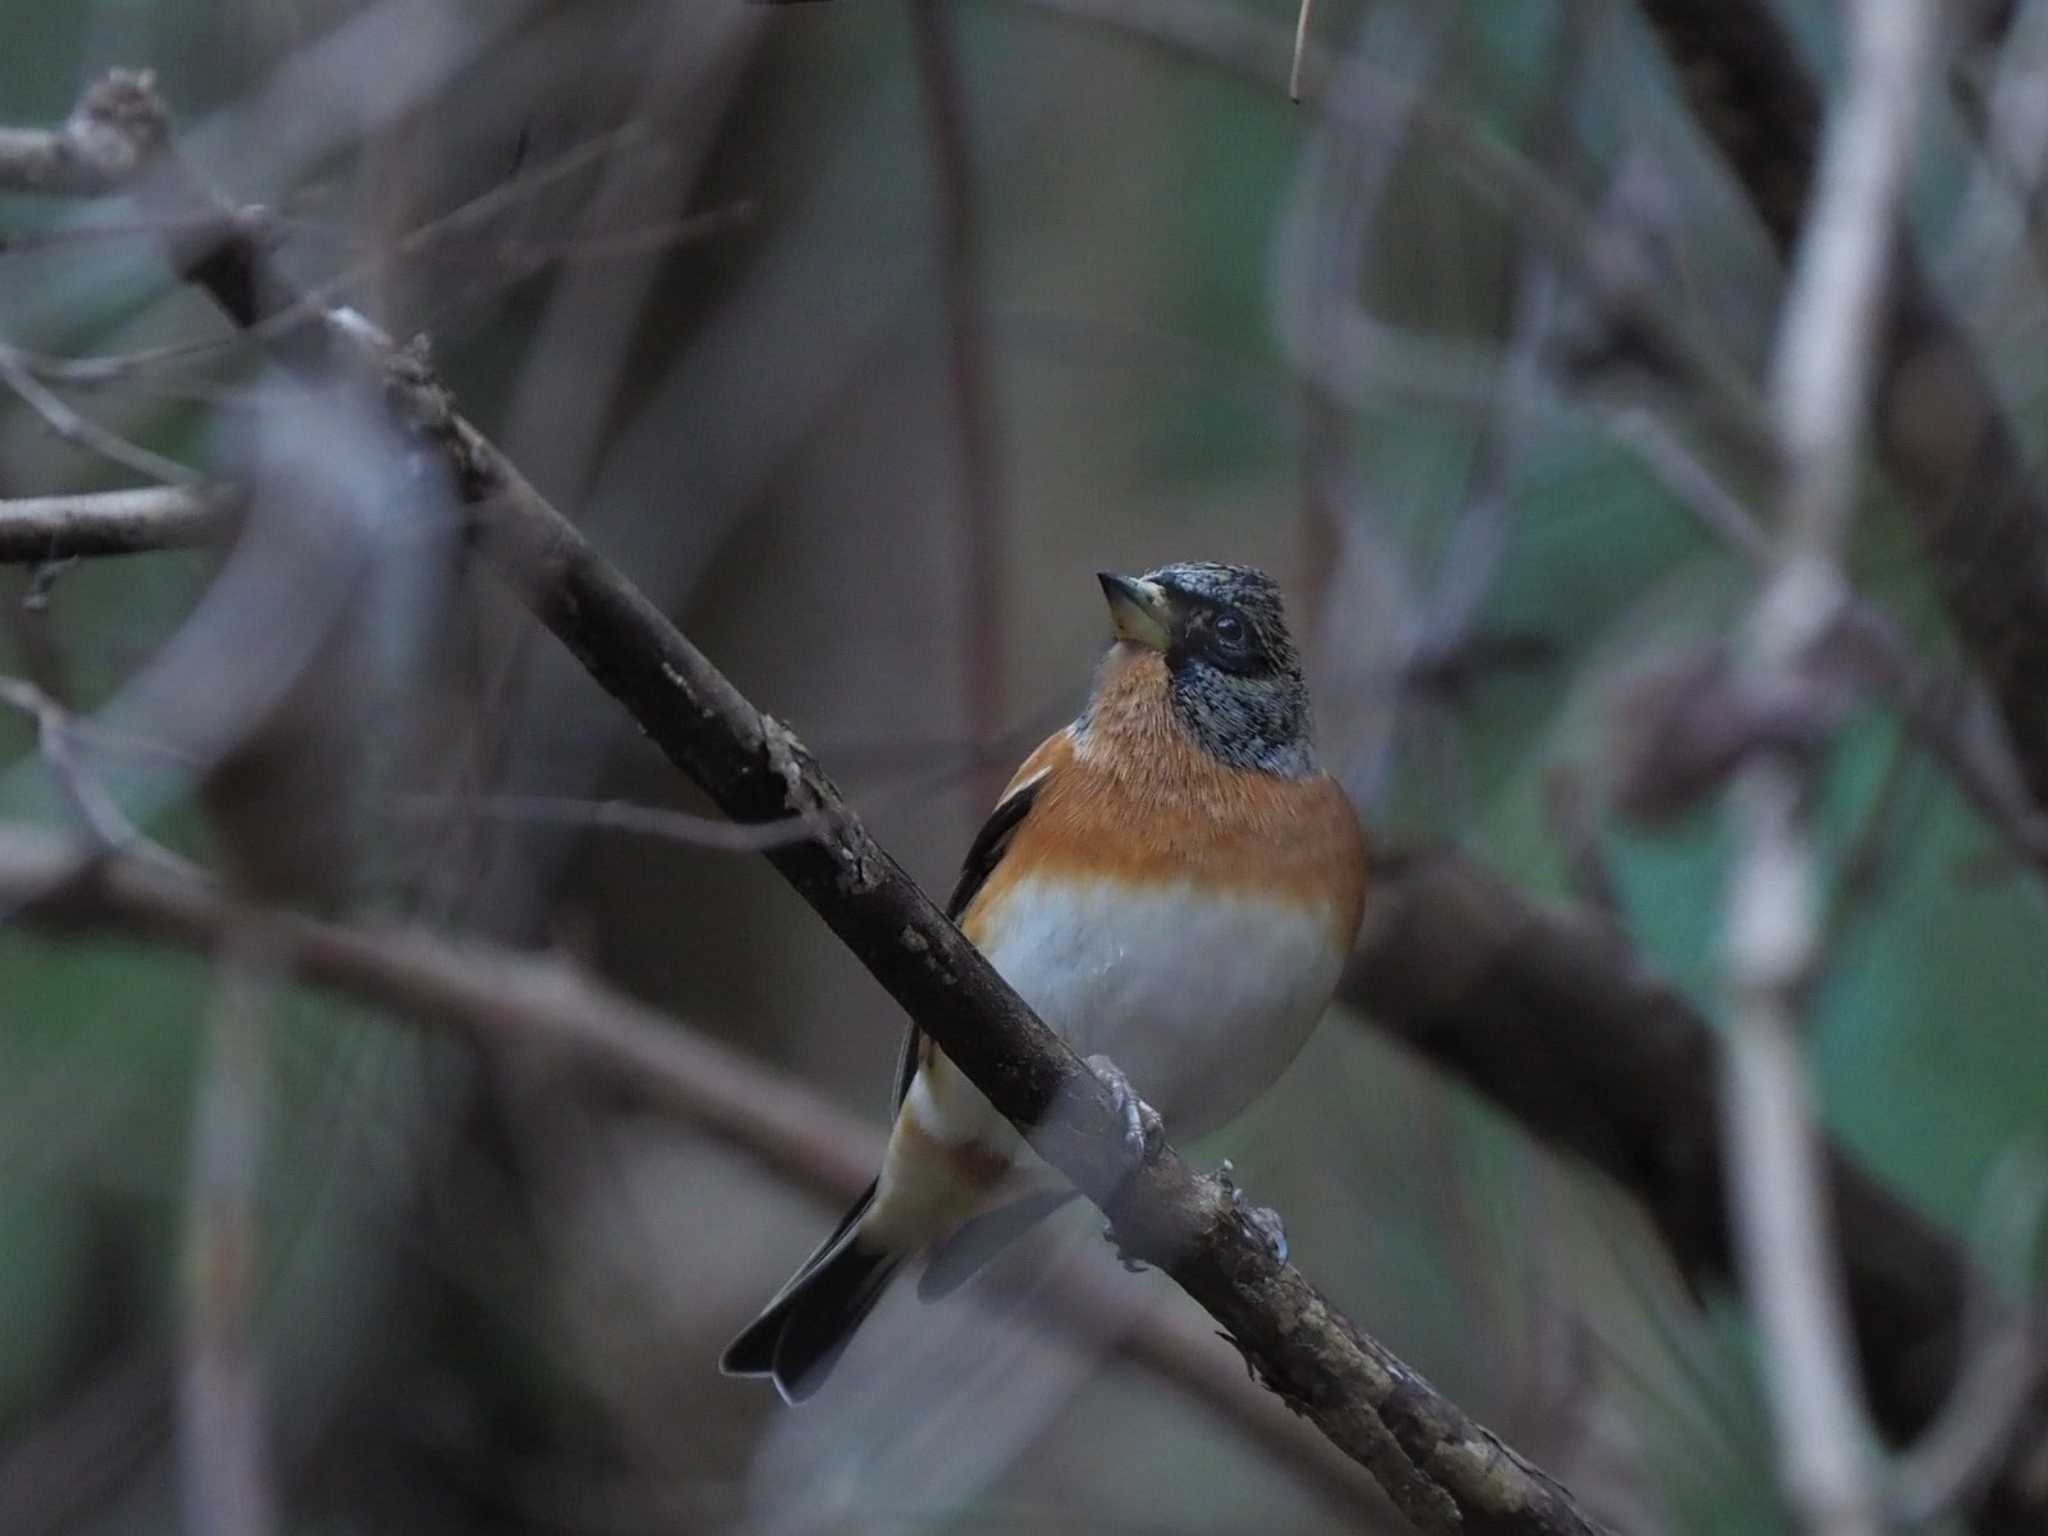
(1143, 1130)
(1259, 1221)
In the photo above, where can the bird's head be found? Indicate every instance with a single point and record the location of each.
(1232, 673)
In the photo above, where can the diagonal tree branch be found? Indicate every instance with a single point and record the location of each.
(1445, 1472)
(1939, 426)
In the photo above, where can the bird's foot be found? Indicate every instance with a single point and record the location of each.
(1143, 1130)
(1259, 1221)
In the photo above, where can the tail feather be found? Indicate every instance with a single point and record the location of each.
(969, 1250)
(801, 1334)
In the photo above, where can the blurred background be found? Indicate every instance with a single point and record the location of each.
(860, 335)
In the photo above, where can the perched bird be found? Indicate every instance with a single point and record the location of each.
(1171, 882)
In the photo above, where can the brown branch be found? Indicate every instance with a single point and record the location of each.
(1445, 1472)
(1551, 1014)
(38, 528)
(500, 999)
(1940, 428)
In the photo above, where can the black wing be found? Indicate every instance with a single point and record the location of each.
(986, 852)
(990, 844)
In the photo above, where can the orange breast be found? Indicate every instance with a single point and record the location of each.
(1137, 800)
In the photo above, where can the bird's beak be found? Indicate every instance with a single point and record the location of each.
(1139, 611)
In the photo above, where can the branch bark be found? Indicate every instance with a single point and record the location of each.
(1445, 1472)
(1940, 428)
(38, 528)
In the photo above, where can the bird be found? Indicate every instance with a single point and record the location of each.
(1172, 882)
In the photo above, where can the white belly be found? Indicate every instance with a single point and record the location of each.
(1202, 1001)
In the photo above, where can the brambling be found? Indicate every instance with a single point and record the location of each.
(1171, 882)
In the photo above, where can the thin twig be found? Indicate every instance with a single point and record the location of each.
(83, 432)
(113, 368)
(1300, 50)
(1821, 379)
(620, 816)
(520, 253)
(95, 809)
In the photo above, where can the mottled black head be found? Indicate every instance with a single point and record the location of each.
(1235, 676)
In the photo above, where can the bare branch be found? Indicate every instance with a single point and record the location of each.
(620, 816)
(89, 800)
(1820, 382)
(85, 433)
(34, 529)
(1300, 50)
(114, 368)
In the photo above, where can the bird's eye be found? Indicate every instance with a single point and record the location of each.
(1231, 629)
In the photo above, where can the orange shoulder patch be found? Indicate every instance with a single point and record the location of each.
(1136, 800)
